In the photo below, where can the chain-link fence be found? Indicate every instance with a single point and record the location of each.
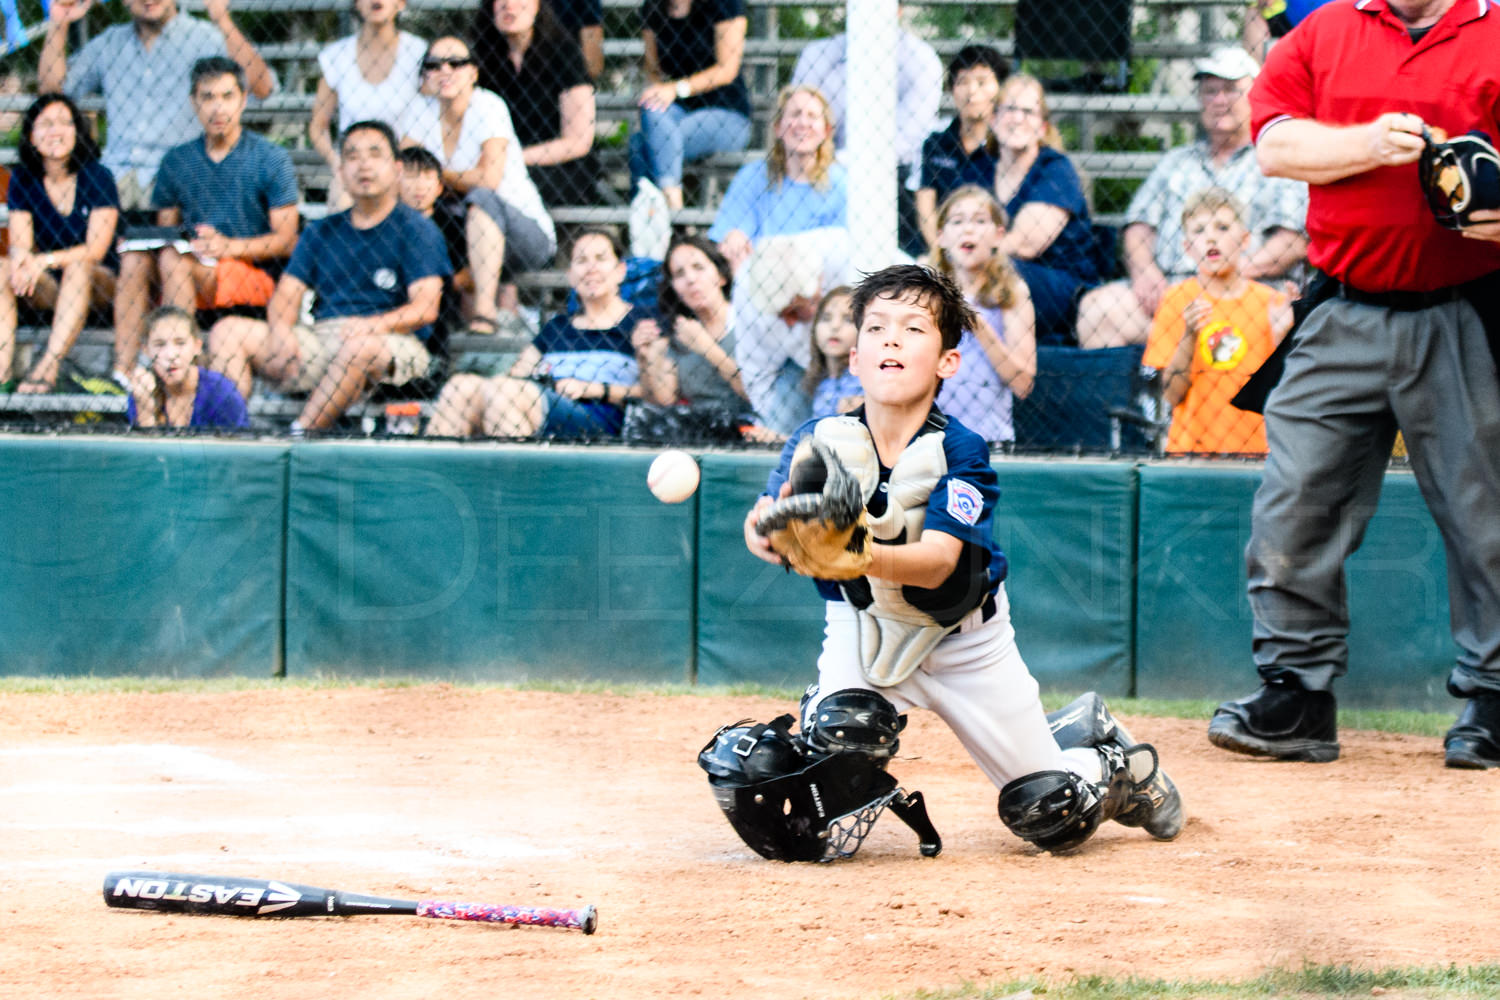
(562, 219)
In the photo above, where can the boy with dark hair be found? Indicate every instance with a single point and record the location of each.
(422, 189)
(966, 152)
(920, 618)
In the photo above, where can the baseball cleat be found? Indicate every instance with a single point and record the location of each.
(1153, 804)
(1474, 741)
(1279, 721)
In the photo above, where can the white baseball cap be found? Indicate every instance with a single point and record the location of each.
(1227, 62)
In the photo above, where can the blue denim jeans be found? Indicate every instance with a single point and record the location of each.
(668, 139)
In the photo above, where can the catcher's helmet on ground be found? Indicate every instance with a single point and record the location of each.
(791, 803)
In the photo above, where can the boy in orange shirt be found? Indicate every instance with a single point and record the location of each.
(1212, 332)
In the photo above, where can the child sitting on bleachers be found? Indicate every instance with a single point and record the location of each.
(833, 387)
(1212, 331)
(421, 189)
(176, 390)
(999, 354)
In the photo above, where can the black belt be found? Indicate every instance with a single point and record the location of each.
(1401, 301)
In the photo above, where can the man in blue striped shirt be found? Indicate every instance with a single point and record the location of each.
(234, 193)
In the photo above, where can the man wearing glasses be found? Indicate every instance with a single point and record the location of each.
(1155, 254)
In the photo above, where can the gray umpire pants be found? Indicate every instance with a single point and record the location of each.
(1356, 375)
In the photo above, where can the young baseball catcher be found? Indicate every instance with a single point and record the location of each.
(889, 510)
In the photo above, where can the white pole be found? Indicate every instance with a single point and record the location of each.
(870, 154)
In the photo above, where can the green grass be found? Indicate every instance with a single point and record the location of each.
(1390, 721)
(1480, 982)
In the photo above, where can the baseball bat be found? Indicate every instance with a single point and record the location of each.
(254, 897)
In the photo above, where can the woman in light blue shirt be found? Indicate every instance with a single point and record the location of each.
(796, 188)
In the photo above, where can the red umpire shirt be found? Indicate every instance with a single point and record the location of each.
(1350, 62)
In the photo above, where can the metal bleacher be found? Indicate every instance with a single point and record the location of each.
(768, 60)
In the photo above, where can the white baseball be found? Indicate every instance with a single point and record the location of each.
(673, 476)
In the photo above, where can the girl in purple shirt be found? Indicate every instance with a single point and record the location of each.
(176, 391)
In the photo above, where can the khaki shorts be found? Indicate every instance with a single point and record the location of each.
(319, 345)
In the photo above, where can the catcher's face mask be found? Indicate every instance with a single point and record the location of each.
(1459, 176)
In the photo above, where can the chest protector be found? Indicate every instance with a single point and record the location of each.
(894, 636)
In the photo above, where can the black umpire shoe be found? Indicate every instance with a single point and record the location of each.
(1474, 740)
(1279, 720)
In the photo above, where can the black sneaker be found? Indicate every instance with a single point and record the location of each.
(1279, 721)
(1474, 740)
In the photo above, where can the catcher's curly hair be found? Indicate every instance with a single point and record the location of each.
(934, 290)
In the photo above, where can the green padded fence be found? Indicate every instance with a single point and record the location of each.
(494, 563)
(1068, 528)
(756, 622)
(156, 557)
(197, 558)
(1193, 637)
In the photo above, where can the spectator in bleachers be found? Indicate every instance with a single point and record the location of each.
(235, 192)
(469, 130)
(999, 354)
(1213, 331)
(966, 151)
(422, 189)
(775, 299)
(585, 18)
(371, 75)
(63, 209)
(694, 103)
(1050, 238)
(833, 387)
(377, 272)
(538, 69)
(175, 390)
(687, 355)
(796, 188)
(142, 68)
(919, 92)
(1120, 312)
(574, 379)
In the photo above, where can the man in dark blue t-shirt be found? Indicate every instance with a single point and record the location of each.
(377, 271)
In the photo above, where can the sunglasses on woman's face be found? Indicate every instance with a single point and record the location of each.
(452, 62)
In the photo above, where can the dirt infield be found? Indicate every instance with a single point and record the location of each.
(1383, 858)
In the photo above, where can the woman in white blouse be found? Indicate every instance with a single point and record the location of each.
(469, 130)
(369, 76)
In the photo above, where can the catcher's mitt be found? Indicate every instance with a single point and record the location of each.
(820, 530)
(1459, 176)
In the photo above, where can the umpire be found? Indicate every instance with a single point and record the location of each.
(1397, 344)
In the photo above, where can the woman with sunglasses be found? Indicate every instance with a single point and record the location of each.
(371, 75)
(1050, 239)
(469, 130)
(527, 58)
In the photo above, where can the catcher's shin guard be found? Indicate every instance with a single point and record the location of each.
(1059, 810)
(852, 720)
(1154, 804)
